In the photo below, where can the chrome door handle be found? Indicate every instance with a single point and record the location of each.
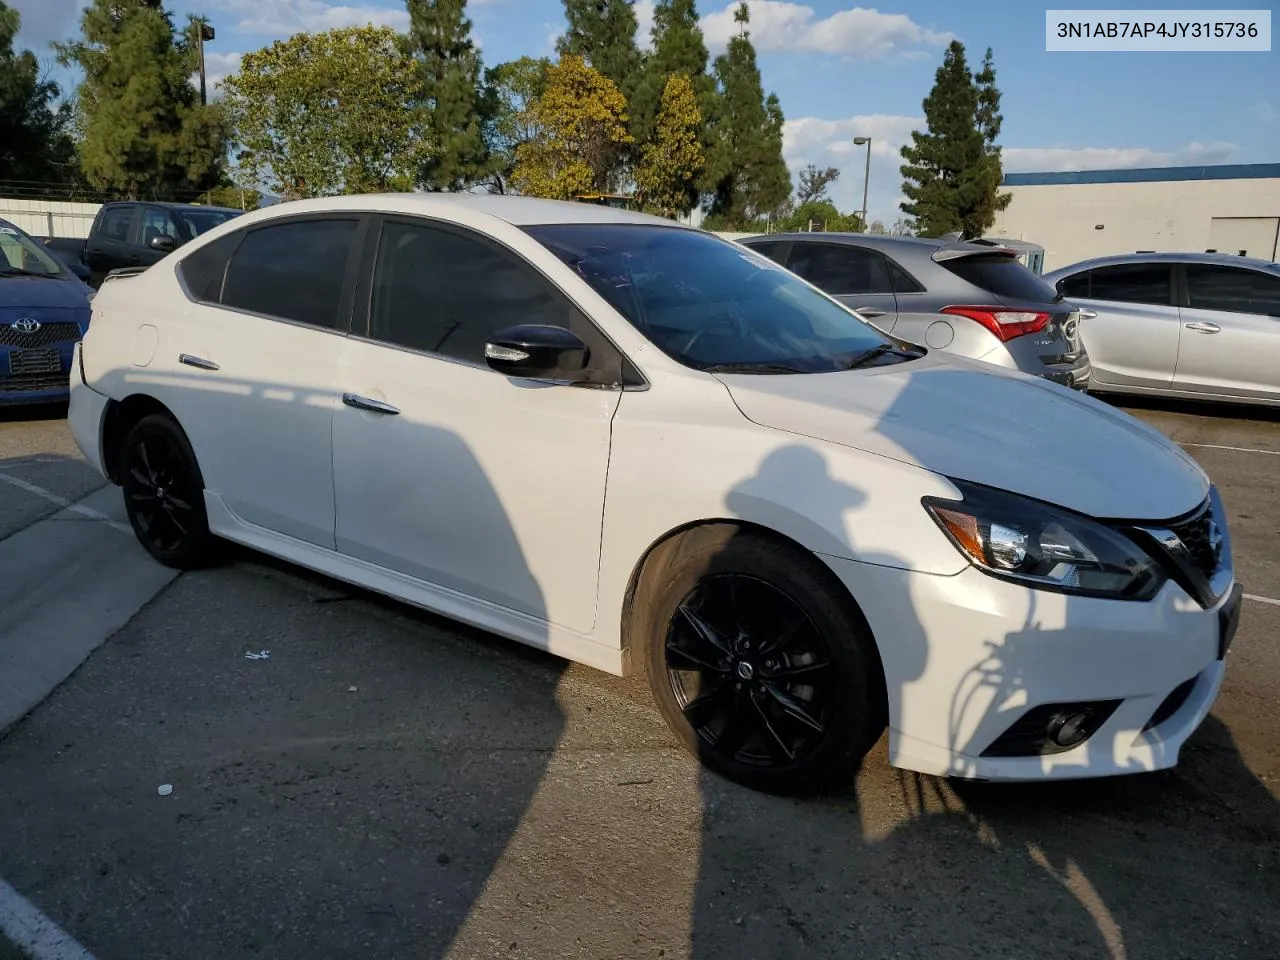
(869, 312)
(1200, 326)
(1087, 314)
(198, 362)
(364, 403)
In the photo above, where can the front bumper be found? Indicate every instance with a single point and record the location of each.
(967, 656)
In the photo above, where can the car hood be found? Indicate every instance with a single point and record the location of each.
(974, 422)
(34, 293)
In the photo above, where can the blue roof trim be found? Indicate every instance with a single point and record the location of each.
(1226, 171)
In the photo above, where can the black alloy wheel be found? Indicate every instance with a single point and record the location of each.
(758, 659)
(164, 493)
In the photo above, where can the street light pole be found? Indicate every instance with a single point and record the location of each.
(866, 176)
(203, 32)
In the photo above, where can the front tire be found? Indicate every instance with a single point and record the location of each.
(762, 667)
(164, 494)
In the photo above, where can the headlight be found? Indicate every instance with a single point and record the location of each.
(1033, 543)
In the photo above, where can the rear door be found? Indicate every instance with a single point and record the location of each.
(1133, 339)
(856, 276)
(111, 239)
(1230, 343)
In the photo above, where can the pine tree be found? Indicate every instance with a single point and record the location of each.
(948, 176)
(454, 108)
(672, 159)
(989, 121)
(34, 139)
(144, 131)
(678, 49)
(749, 178)
(603, 32)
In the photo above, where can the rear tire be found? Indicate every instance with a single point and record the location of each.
(760, 665)
(164, 494)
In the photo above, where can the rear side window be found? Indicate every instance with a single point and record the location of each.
(202, 272)
(1133, 283)
(840, 269)
(902, 281)
(771, 250)
(115, 224)
(293, 271)
(440, 292)
(1002, 276)
(1076, 285)
(1231, 288)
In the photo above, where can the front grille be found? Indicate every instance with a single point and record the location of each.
(1194, 534)
(33, 382)
(49, 333)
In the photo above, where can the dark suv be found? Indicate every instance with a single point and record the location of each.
(973, 299)
(140, 233)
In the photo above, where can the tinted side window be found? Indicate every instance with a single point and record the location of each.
(1002, 276)
(293, 271)
(840, 269)
(1076, 285)
(1234, 289)
(157, 223)
(115, 224)
(441, 292)
(902, 281)
(771, 250)
(203, 271)
(1132, 283)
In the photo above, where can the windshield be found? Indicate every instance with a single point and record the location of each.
(711, 304)
(196, 222)
(19, 254)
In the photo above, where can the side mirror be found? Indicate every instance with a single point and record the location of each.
(536, 352)
(164, 243)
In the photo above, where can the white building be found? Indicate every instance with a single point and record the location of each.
(1092, 213)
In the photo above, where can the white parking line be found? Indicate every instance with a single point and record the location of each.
(1218, 446)
(35, 933)
(1274, 603)
(52, 497)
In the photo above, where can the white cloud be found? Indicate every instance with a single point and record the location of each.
(294, 16)
(854, 32)
(44, 21)
(644, 19)
(829, 143)
(1261, 113)
(219, 66)
(1059, 159)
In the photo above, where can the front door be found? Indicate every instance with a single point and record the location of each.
(111, 240)
(449, 472)
(1230, 342)
(250, 368)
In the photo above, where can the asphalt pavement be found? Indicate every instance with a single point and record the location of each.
(378, 781)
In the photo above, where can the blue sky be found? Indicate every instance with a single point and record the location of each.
(844, 70)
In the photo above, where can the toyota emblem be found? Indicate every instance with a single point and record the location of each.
(26, 325)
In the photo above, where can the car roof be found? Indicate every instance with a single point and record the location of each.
(927, 246)
(1217, 259)
(172, 205)
(518, 211)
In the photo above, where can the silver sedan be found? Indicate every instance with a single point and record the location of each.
(1204, 326)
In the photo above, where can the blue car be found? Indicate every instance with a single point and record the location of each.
(44, 311)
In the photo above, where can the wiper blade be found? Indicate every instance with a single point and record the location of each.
(752, 368)
(862, 359)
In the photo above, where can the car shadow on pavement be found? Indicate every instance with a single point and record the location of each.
(30, 412)
(1195, 408)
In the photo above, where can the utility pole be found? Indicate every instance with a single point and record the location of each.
(866, 176)
(203, 32)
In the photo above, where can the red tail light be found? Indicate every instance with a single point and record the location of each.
(1005, 324)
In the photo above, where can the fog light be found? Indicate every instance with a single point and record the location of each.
(1066, 730)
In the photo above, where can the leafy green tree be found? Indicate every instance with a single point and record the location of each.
(951, 174)
(35, 140)
(580, 123)
(813, 183)
(820, 215)
(327, 113)
(143, 129)
(673, 158)
(748, 176)
(230, 195)
(454, 105)
(512, 87)
(603, 33)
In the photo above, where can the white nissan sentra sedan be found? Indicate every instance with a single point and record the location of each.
(642, 447)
